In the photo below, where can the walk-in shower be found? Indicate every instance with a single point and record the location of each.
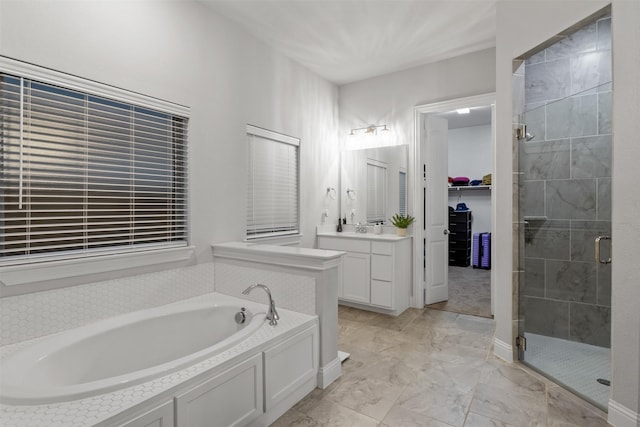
(564, 205)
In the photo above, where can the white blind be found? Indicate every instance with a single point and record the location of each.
(273, 193)
(376, 191)
(84, 174)
(402, 190)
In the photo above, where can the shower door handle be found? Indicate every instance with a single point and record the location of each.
(597, 250)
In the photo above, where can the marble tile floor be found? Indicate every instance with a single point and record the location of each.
(469, 292)
(433, 368)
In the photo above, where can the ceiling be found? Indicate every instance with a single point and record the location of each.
(350, 40)
(477, 116)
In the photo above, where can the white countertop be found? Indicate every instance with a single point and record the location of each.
(305, 258)
(366, 236)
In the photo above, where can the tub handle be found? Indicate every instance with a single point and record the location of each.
(241, 316)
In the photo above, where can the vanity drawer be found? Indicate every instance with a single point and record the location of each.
(347, 245)
(382, 267)
(382, 248)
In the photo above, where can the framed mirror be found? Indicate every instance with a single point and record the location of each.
(373, 184)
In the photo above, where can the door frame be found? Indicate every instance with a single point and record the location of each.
(415, 198)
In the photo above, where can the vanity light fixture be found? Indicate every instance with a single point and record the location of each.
(369, 130)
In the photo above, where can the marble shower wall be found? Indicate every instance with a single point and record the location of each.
(565, 187)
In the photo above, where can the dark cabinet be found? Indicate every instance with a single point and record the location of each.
(460, 238)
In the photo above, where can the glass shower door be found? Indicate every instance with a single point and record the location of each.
(564, 157)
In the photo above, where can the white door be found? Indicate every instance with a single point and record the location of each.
(436, 231)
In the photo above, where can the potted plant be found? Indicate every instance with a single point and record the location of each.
(401, 223)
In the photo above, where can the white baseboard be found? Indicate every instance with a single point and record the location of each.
(503, 350)
(621, 416)
(343, 355)
(329, 373)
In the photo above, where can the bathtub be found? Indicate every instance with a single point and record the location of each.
(125, 350)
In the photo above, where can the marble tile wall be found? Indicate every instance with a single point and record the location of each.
(565, 186)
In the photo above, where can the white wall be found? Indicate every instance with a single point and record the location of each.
(470, 152)
(519, 30)
(626, 205)
(390, 99)
(471, 155)
(184, 53)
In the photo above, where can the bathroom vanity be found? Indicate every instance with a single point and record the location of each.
(376, 270)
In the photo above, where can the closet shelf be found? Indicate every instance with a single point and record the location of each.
(470, 187)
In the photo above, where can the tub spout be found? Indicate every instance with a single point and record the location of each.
(272, 314)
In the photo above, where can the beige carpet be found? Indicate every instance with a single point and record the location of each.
(469, 292)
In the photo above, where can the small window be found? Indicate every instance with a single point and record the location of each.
(376, 191)
(273, 188)
(84, 175)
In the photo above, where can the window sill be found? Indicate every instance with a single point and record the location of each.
(51, 270)
(286, 240)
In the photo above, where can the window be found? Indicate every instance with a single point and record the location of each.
(85, 174)
(273, 193)
(402, 191)
(376, 190)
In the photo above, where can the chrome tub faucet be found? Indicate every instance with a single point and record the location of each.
(272, 314)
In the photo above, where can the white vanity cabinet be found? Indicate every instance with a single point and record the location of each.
(376, 271)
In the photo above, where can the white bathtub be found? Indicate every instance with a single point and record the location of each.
(125, 350)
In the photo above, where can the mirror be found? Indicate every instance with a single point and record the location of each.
(373, 184)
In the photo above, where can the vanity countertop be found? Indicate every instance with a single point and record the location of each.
(366, 236)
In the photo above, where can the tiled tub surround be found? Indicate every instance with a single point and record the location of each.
(125, 350)
(107, 409)
(565, 187)
(292, 291)
(34, 315)
(302, 279)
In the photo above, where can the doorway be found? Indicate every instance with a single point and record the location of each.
(445, 249)
(470, 166)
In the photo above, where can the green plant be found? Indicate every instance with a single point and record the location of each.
(401, 221)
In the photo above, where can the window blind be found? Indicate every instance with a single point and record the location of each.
(83, 174)
(402, 190)
(376, 191)
(273, 188)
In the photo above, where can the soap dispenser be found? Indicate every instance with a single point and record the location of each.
(377, 229)
(339, 229)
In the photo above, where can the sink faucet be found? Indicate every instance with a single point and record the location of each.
(272, 314)
(361, 228)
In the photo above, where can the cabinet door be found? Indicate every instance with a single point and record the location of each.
(382, 267)
(356, 279)
(233, 398)
(162, 416)
(382, 293)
